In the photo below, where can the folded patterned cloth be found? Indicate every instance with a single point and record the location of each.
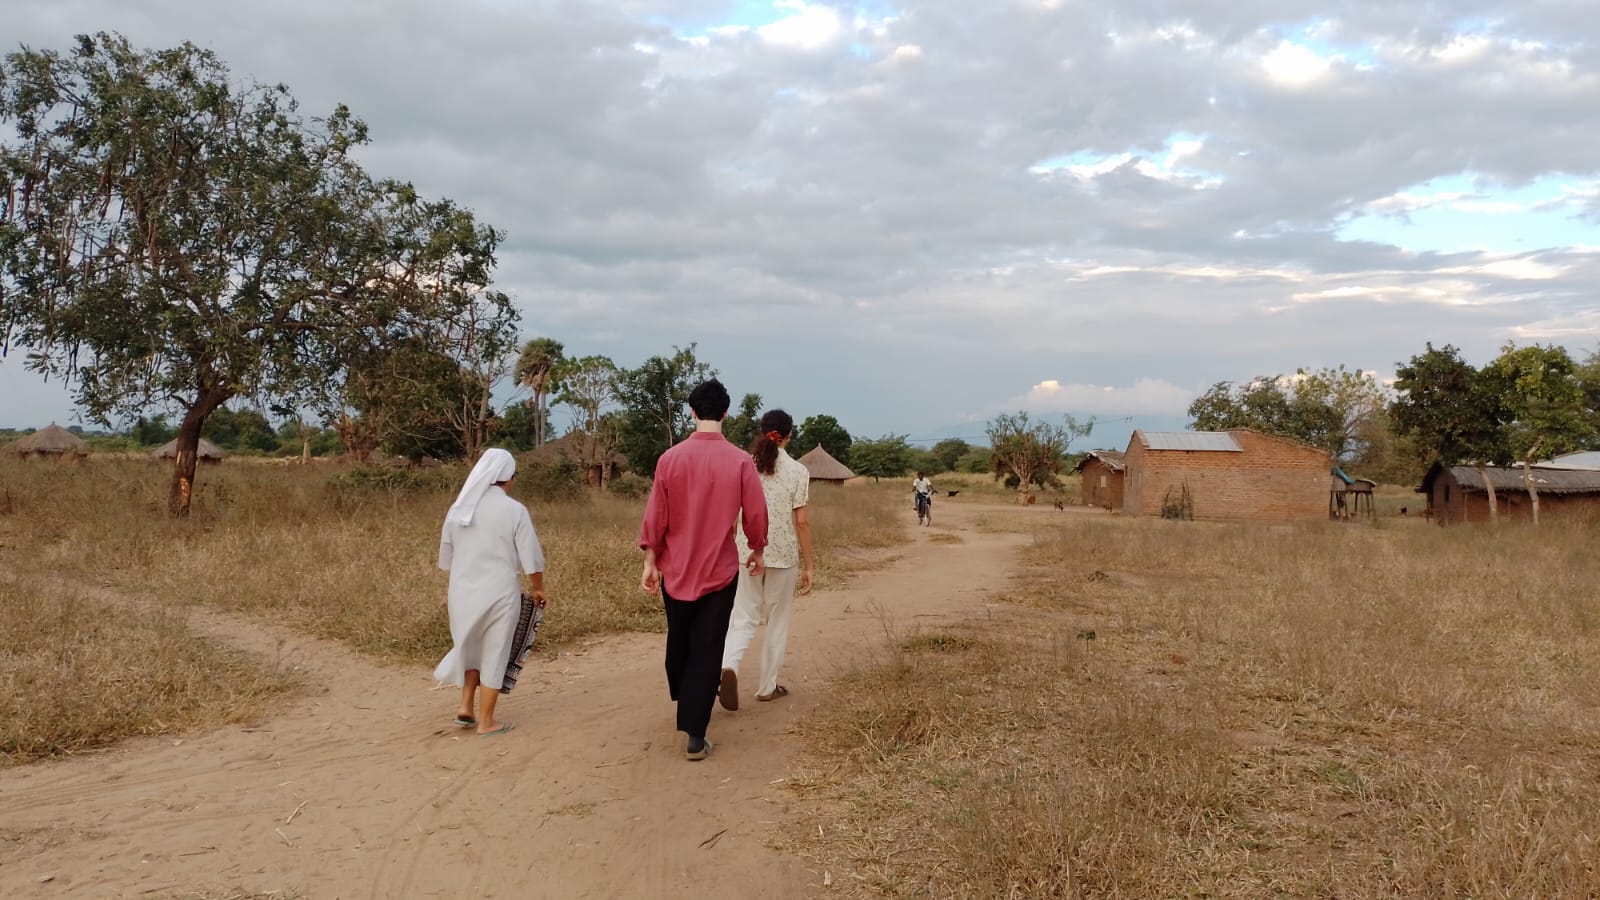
(528, 619)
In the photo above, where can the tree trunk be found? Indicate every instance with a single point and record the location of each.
(1527, 479)
(1494, 506)
(187, 454)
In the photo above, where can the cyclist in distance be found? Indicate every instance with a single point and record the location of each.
(922, 495)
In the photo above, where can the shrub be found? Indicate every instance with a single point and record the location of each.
(559, 480)
(630, 486)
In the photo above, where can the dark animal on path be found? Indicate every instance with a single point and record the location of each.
(951, 493)
(1402, 510)
(1060, 505)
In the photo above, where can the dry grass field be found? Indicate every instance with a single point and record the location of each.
(1198, 709)
(298, 546)
(77, 673)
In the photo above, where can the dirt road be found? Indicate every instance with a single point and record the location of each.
(365, 791)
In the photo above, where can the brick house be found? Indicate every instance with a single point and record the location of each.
(1239, 474)
(1456, 493)
(1102, 472)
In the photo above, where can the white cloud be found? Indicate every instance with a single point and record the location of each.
(1296, 65)
(1145, 397)
(809, 27)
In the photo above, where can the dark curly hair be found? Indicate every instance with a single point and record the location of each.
(775, 426)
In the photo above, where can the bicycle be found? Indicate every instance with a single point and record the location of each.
(924, 508)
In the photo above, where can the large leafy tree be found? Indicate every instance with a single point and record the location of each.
(588, 385)
(885, 457)
(654, 400)
(171, 237)
(822, 431)
(539, 369)
(1334, 409)
(1453, 412)
(948, 452)
(1543, 400)
(1033, 452)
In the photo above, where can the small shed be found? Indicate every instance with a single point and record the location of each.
(1457, 493)
(1102, 472)
(600, 468)
(1239, 474)
(1349, 496)
(50, 442)
(823, 467)
(208, 452)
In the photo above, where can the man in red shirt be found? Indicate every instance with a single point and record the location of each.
(702, 488)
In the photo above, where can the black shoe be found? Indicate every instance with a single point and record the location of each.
(698, 749)
(728, 690)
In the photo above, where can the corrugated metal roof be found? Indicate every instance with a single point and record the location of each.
(1111, 458)
(1589, 459)
(1214, 441)
(1549, 481)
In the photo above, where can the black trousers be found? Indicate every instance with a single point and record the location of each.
(696, 631)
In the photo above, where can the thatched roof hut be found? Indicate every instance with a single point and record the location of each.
(50, 441)
(824, 467)
(208, 451)
(600, 467)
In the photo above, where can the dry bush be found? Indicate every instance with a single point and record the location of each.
(352, 559)
(1237, 710)
(78, 673)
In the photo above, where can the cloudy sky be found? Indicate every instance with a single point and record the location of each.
(912, 214)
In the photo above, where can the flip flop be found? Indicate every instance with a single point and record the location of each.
(779, 691)
(466, 721)
(501, 730)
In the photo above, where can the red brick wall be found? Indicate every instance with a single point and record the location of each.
(1106, 496)
(1271, 479)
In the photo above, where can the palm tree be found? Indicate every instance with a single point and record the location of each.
(538, 370)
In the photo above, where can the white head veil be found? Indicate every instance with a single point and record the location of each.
(494, 466)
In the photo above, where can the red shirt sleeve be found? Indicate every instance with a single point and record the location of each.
(753, 503)
(653, 533)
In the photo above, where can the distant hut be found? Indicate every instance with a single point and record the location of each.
(1102, 472)
(600, 468)
(208, 452)
(1457, 493)
(824, 467)
(50, 442)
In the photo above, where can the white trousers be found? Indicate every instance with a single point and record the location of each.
(769, 598)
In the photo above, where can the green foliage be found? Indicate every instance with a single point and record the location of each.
(885, 457)
(540, 368)
(1450, 409)
(740, 427)
(1033, 453)
(558, 480)
(170, 237)
(948, 454)
(520, 427)
(243, 429)
(826, 432)
(975, 461)
(654, 398)
(152, 432)
(1543, 401)
(1328, 408)
(629, 485)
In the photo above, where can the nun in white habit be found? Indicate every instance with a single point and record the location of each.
(488, 539)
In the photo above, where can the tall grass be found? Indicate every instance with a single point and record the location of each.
(1236, 710)
(304, 547)
(77, 673)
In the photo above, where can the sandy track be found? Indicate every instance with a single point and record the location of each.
(363, 790)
